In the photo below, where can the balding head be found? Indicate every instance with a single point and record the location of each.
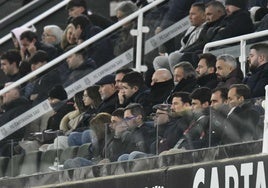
(161, 75)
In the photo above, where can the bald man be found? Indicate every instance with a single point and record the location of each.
(161, 86)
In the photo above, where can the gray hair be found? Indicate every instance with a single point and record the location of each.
(188, 69)
(229, 59)
(56, 31)
(127, 8)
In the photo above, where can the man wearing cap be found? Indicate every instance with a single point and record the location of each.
(46, 80)
(78, 7)
(237, 22)
(108, 94)
(57, 98)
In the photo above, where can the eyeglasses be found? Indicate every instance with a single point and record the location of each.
(46, 35)
(129, 118)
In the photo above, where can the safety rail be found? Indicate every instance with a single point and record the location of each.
(81, 46)
(37, 19)
(242, 39)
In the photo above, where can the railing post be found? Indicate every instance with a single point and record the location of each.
(243, 56)
(139, 33)
(265, 128)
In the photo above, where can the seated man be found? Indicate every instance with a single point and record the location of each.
(242, 119)
(13, 105)
(79, 65)
(228, 71)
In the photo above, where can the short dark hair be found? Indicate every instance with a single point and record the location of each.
(81, 20)
(261, 48)
(210, 59)
(136, 109)
(39, 56)
(203, 94)
(133, 79)
(185, 96)
(199, 5)
(29, 35)
(223, 91)
(82, 52)
(123, 70)
(11, 56)
(217, 5)
(242, 90)
(119, 112)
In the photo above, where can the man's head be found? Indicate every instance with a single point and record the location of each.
(258, 55)
(80, 23)
(219, 97)
(11, 95)
(117, 118)
(161, 75)
(27, 38)
(134, 115)
(76, 59)
(200, 98)
(206, 64)
(162, 114)
(10, 61)
(119, 74)
(39, 59)
(52, 34)
(57, 94)
(124, 9)
(107, 86)
(76, 8)
(131, 83)
(214, 11)
(181, 101)
(183, 70)
(197, 14)
(225, 65)
(237, 94)
(232, 6)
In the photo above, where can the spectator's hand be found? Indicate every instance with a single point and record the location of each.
(158, 30)
(121, 97)
(31, 49)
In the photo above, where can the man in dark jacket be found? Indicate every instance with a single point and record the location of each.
(46, 80)
(241, 122)
(258, 65)
(30, 44)
(237, 22)
(135, 91)
(84, 29)
(108, 94)
(206, 70)
(13, 106)
(228, 72)
(80, 65)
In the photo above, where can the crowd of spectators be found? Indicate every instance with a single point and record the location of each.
(194, 99)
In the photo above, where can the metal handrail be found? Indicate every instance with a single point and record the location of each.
(242, 39)
(37, 19)
(81, 46)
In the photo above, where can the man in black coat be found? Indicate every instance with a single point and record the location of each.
(13, 106)
(242, 120)
(237, 22)
(257, 79)
(206, 70)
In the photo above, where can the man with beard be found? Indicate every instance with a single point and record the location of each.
(227, 71)
(258, 77)
(206, 71)
(161, 86)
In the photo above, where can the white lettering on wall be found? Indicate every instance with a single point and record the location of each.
(199, 177)
(214, 182)
(246, 171)
(231, 172)
(260, 179)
